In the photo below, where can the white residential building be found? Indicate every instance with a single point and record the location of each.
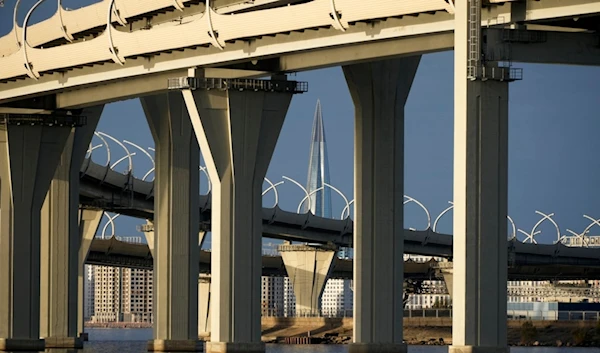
(337, 299)
(122, 294)
(272, 296)
(88, 292)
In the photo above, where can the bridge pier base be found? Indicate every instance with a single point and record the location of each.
(60, 241)
(89, 221)
(379, 91)
(308, 268)
(237, 131)
(204, 306)
(480, 256)
(176, 224)
(29, 156)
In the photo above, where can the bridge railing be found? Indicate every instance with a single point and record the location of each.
(554, 315)
(427, 313)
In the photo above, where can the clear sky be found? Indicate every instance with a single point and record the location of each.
(554, 144)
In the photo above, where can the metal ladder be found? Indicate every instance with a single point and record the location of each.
(474, 28)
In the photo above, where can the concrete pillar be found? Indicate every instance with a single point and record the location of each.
(60, 241)
(448, 275)
(176, 224)
(379, 91)
(237, 131)
(480, 201)
(148, 230)
(29, 155)
(204, 306)
(308, 268)
(89, 221)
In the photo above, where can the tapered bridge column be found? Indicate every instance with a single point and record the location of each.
(479, 271)
(89, 221)
(379, 91)
(176, 224)
(30, 149)
(308, 268)
(60, 241)
(237, 123)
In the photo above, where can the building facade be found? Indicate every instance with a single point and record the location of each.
(88, 292)
(121, 294)
(436, 295)
(272, 296)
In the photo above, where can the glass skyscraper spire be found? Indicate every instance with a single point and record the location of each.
(318, 170)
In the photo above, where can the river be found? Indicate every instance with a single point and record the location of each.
(135, 340)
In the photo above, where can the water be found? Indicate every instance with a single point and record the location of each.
(135, 340)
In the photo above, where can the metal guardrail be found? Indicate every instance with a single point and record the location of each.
(554, 315)
(497, 73)
(225, 84)
(428, 313)
(303, 247)
(43, 119)
(525, 315)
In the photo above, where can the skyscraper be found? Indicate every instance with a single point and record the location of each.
(337, 299)
(318, 170)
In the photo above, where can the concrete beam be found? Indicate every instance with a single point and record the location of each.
(237, 132)
(543, 47)
(355, 54)
(135, 87)
(29, 156)
(60, 241)
(379, 91)
(176, 224)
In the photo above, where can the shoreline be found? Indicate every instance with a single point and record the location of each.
(416, 331)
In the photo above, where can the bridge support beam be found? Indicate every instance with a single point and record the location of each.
(29, 156)
(176, 224)
(308, 268)
(60, 241)
(480, 198)
(89, 221)
(379, 91)
(237, 131)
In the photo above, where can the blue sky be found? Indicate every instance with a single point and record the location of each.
(554, 144)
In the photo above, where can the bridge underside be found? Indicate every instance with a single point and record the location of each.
(566, 28)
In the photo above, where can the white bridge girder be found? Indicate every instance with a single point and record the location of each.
(295, 50)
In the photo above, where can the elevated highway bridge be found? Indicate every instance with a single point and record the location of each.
(104, 188)
(78, 60)
(117, 49)
(530, 263)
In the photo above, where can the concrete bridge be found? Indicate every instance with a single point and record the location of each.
(196, 92)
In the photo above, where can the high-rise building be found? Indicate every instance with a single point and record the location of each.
(272, 294)
(289, 298)
(88, 292)
(122, 294)
(318, 170)
(337, 296)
